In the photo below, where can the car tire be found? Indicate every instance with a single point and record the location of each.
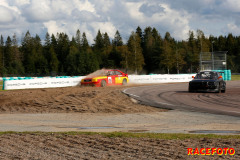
(190, 90)
(219, 88)
(124, 82)
(224, 90)
(103, 83)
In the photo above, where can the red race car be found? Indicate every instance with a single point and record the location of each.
(105, 77)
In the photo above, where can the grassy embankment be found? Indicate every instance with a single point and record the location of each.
(1, 83)
(235, 77)
(133, 135)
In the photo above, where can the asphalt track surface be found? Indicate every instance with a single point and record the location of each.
(176, 96)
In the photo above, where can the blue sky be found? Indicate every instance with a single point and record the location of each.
(213, 17)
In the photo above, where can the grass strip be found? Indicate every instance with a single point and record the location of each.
(167, 136)
(1, 85)
(235, 77)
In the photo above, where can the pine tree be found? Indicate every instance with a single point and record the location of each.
(84, 42)
(8, 55)
(140, 34)
(192, 53)
(148, 49)
(53, 61)
(27, 50)
(2, 69)
(117, 41)
(125, 54)
(167, 57)
(99, 42)
(136, 56)
(78, 39)
(203, 43)
(62, 51)
(106, 40)
(71, 61)
(41, 64)
(16, 64)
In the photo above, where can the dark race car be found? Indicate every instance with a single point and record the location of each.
(208, 81)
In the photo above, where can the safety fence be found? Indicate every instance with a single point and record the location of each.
(40, 82)
(160, 78)
(12, 83)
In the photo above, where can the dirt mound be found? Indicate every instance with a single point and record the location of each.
(69, 100)
(59, 146)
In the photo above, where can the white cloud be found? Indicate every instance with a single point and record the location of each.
(22, 2)
(233, 28)
(231, 5)
(104, 27)
(38, 11)
(216, 17)
(7, 17)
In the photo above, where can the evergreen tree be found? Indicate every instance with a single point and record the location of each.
(84, 42)
(2, 68)
(62, 51)
(41, 64)
(78, 39)
(152, 43)
(180, 54)
(106, 40)
(203, 42)
(117, 41)
(53, 61)
(231, 53)
(8, 55)
(136, 56)
(47, 46)
(16, 64)
(99, 42)
(27, 50)
(192, 56)
(125, 54)
(140, 34)
(100, 51)
(71, 61)
(167, 57)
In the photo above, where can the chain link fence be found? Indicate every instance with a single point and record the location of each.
(213, 60)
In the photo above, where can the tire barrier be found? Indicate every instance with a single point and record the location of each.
(226, 74)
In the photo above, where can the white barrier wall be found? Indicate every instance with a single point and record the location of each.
(41, 83)
(47, 82)
(161, 78)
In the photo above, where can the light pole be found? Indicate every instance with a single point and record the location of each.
(212, 46)
(212, 57)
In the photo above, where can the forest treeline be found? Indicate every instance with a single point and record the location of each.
(146, 51)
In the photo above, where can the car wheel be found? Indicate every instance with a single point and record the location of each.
(190, 90)
(124, 82)
(219, 88)
(103, 83)
(224, 90)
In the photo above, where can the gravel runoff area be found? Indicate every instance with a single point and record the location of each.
(101, 110)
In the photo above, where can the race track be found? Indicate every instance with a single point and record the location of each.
(176, 96)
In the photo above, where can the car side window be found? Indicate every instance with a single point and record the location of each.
(118, 73)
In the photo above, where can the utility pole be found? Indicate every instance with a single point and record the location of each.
(212, 57)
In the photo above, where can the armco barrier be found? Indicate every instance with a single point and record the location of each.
(66, 81)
